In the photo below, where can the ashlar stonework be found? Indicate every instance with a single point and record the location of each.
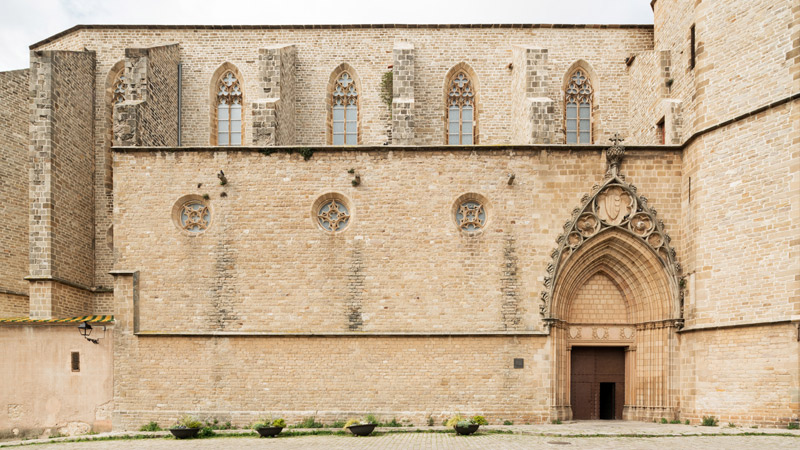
(649, 271)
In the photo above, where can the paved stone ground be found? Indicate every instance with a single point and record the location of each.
(615, 435)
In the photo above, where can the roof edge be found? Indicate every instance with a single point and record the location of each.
(332, 26)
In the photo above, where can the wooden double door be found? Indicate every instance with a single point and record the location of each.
(597, 383)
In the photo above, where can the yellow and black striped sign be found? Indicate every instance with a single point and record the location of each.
(90, 319)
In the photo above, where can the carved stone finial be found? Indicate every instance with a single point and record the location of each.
(614, 154)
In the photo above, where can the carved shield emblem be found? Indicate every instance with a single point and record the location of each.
(613, 205)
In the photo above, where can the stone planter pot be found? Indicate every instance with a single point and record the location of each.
(184, 433)
(466, 430)
(362, 430)
(269, 431)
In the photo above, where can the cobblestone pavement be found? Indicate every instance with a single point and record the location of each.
(575, 435)
(441, 441)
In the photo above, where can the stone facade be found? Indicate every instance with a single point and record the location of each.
(401, 276)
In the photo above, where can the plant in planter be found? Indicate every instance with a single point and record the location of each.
(361, 427)
(186, 427)
(466, 425)
(269, 427)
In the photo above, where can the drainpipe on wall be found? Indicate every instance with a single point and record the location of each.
(180, 86)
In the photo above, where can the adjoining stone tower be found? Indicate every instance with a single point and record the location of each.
(731, 79)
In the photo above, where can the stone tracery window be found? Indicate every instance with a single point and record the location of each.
(333, 215)
(470, 213)
(194, 216)
(471, 216)
(460, 111)
(345, 111)
(578, 111)
(229, 110)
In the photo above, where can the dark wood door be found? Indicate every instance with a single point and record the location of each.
(591, 367)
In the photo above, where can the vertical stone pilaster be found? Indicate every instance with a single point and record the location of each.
(126, 301)
(532, 111)
(126, 324)
(273, 111)
(403, 94)
(61, 214)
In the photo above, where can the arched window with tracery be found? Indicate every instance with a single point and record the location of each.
(578, 111)
(229, 110)
(344, 99)
(460, 111)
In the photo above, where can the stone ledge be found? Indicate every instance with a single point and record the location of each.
(738, 325)
(384, 148)
(338, 334)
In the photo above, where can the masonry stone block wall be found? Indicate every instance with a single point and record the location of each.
(715, 381)
(225, 278)
(14, 115)
(644, 81)
(418, 285)
(61, 167)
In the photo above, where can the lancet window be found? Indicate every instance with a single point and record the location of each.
(345, 111)
(460, 111)
(229, 110)
(578, 103)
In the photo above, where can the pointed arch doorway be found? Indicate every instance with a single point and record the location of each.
(612, 297)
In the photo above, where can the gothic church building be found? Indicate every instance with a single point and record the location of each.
(528, 222)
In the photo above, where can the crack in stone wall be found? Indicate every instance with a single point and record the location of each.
(355, 288)
(510, 285)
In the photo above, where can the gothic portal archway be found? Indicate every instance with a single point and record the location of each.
(614, 282)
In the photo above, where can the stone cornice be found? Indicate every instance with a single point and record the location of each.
(336, 27)
(339, 334)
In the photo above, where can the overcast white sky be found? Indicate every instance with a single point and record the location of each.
(24, 22)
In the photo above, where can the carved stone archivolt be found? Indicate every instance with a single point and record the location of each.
(614, 204)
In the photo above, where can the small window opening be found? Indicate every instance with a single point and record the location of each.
(76, 361)
(692, 47)
(660, 135)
